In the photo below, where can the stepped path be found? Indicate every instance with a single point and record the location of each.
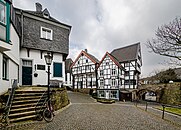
(27, 100)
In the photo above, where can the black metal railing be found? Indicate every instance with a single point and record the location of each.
(155, 106)
(7, 108)
(41, 103)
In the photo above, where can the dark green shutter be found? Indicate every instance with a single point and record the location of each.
(57, 69)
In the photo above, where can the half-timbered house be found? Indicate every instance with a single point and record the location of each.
(130, 58)
(84, 71)
(110, 77)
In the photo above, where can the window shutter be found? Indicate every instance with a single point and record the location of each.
(57, 69)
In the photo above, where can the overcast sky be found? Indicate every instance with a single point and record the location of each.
(103, 25)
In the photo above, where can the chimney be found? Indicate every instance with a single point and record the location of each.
(38, 7)
(85, 50)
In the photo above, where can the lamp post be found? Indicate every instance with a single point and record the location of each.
(48, 59)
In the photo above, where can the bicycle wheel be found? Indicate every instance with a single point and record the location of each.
(47, 115)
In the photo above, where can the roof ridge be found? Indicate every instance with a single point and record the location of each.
(127, 46)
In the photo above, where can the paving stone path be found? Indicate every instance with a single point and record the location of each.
(85, 114)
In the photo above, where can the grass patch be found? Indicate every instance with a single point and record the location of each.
(171, 110)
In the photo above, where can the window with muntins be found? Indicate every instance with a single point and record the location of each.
(4, 21)
(113, 72)
(2, 12)
(46, 33)
(5, 68)
(113, 82)
(101, 82)
(57, 69)
(101, 72)
(113, 94)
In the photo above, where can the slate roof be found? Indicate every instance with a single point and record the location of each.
(88, 55)
(127, 53)
(31, 37)
(40, 14)
(68, 63)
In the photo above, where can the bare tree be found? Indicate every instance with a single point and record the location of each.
(167, 41)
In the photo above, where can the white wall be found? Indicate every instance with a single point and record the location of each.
(35, 56)
(13, 62)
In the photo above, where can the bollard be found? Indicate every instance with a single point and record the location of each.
(163, 111)
(146, 106)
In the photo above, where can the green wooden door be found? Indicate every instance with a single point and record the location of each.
(26, 75)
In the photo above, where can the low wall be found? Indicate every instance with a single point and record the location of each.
(60, 98)
(166, 93)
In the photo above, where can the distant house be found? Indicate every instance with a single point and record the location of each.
(41, 33)
(130, 58)
(84, 71)
(68, 72)
(110, 77)
(9, 47)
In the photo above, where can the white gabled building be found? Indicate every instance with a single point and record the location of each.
(41, 34)
(110, 77)
(9, 47)
(84, 71)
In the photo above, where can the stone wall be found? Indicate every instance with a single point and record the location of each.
(60, 98)
(166, 93)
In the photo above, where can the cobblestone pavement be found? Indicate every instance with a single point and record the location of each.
(85, 114)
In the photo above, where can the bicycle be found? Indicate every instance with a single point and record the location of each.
(47, 112)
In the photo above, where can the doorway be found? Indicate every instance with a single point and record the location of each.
(27, 72)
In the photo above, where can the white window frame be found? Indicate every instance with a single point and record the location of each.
(101, 72)
(114, 83)
(46, 33)
(113, 72)
(101, 82)
(5, 68)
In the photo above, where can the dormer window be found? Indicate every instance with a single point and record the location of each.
(46, 33)
(46, 14)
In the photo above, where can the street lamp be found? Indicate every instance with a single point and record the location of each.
(48, 59)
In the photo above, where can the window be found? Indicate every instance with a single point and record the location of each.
(87, 67)
(101, 94)
(2, 12)
(4, 21)
(57, 69)
(113, 72)
(46, 33)
(113, 94)
(130, 82)
(126, 73)
(101, 82)
(89, 83)
(113, 82)
(5, 68)
(107, 63)
(101, 72)
(27, 63)
(86, 60)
